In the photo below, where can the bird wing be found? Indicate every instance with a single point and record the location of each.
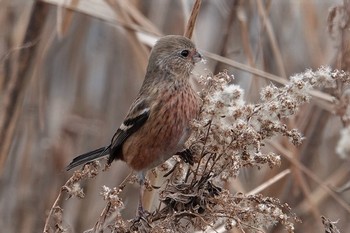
(137, 116)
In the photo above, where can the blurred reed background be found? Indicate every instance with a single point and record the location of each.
(66, 90)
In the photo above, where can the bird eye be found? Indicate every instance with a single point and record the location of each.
(185, 53)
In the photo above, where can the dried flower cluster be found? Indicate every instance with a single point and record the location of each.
(228, 136)
(72, 187)
(233, 133)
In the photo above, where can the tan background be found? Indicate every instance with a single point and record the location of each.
(90, 65)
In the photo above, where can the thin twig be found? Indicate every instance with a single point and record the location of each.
(272, 38)
(269, 182)
(55, 204)
(312, 175)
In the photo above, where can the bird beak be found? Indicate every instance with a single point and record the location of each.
(197, 57)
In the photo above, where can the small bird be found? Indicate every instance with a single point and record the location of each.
(158, 122)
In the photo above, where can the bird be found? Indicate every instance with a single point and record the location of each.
(157, 124)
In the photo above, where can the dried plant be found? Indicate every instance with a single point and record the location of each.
(229, 135)
(329, 225)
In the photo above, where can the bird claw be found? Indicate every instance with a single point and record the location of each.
(142, 212)
(186, 156)
(141, 221)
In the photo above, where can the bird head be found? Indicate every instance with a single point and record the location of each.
(174, 54)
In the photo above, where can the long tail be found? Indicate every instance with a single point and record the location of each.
(88, 157)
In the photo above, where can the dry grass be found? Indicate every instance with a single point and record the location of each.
(70, 69)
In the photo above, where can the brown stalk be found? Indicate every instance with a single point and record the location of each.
(226, 32)
(14, 93)
(123, 15)
(192, 20)
(311, 175)
(320, 194)
(139, 18)
(272, 38)
(269, 182)
(64, 17)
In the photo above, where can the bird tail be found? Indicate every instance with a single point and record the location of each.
(88, 157)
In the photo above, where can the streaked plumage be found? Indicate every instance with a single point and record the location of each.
(158, 122)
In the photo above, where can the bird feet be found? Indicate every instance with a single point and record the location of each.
(141, 222)
(186, 156)
(141, 212)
